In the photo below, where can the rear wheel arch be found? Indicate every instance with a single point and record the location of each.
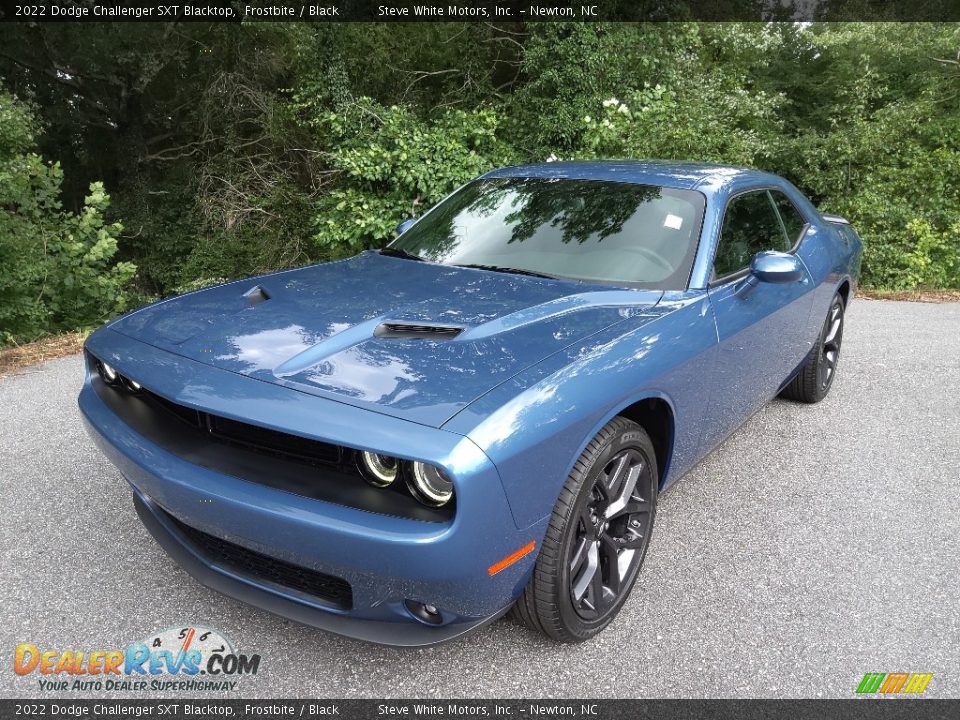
(844, 291)
(815, 377)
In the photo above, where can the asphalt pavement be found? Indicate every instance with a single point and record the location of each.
(817, 544)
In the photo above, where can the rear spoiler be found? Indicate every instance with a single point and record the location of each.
(835, 219)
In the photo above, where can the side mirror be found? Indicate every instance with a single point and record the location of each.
(404, 226)
(776, 267)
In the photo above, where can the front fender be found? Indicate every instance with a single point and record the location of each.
(535, 426)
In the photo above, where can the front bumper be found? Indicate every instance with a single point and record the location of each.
(384, 629)
(386, 560)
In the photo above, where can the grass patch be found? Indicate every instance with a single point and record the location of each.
(925, 296)
(17, 357)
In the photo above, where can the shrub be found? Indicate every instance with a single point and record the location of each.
(56, 269)
(393, 164)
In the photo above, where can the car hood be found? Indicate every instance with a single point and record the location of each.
(341, 330)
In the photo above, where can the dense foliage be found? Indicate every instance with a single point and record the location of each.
(55, 267)
(232, 149)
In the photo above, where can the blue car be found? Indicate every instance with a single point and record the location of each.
(406, 444)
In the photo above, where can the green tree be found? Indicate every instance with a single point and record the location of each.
(880, 144)
(235, 148)
(392, 165)
(55, 266)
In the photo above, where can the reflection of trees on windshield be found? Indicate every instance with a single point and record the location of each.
(436, 236)
(588, 210)
(593, 230)
(579, 210)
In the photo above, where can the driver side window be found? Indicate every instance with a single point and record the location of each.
(750, 225)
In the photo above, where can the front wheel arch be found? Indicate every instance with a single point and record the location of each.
(638, 409)
(655, 415)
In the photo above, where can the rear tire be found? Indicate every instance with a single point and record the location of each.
(815, 378)
(596, 539)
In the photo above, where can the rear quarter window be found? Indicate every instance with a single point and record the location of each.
(793, 221)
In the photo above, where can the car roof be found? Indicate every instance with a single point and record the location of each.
(669, 173)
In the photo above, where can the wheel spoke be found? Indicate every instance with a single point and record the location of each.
(625, 491)
(590, 571)
(609, 485)
(832, 333)
(597, 597)
(636, 506)
(579, 556)
(624, 561)
(610, 562)
(609, 549)
(586, 519)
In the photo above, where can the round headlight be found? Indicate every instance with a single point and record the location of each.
(134, 385)
(108, 373)
(379, 470)
(430, 485)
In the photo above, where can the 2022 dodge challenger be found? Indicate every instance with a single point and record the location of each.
(403, 445)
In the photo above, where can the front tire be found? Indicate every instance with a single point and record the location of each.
(597, 537)
(815, 378)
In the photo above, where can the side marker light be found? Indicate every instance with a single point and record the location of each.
(511, 558)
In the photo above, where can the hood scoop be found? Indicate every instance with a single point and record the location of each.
(409, 331)
(256, 295)
(358, 334)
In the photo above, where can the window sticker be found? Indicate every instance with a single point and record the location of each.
(673, 221)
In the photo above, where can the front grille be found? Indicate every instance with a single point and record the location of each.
(253, 437)
(291, 463)
(273, 442)
(328, 588)
(188, 415)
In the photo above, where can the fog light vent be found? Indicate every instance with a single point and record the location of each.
(424, 613)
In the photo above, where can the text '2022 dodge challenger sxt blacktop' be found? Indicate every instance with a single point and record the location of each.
(403, 445)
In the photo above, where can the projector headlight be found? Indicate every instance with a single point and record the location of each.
(107, 372)
(379, 470)
(429, 485)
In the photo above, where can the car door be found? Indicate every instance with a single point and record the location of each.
(760, 327)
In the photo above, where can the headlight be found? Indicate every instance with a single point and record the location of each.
(379, 470)
(108, 373)
(429, 485)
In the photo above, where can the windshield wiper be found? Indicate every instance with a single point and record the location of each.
(397, 252)
(514, 271)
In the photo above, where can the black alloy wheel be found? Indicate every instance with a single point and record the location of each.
(612, 534)
(815, 378)
(830, 347)
(597, 537)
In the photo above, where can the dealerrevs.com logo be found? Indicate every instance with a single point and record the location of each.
(188, 659)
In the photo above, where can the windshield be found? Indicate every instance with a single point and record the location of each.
(626, 234)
